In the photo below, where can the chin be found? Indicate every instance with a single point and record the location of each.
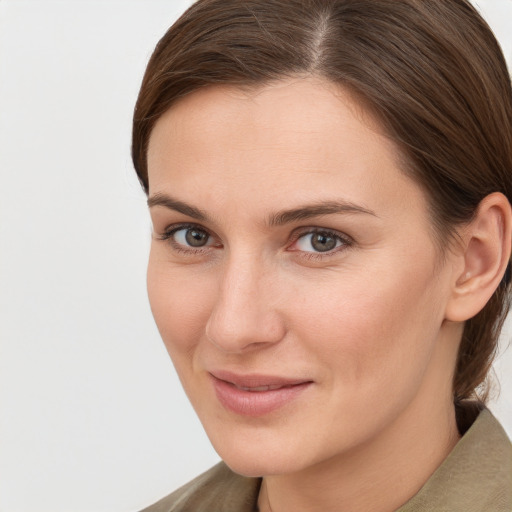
(255, 453)
(267, 465)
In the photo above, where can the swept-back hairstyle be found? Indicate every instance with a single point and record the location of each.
(431, 71)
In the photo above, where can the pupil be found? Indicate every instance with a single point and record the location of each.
(196, 238)
(323, 242)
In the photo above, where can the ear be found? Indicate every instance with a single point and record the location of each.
(483, 258)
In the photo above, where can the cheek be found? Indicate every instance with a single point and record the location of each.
(371, 332)
(180, 301)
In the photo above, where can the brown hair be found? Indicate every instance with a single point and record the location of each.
(430, 70)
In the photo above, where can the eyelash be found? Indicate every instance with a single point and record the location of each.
(168, 234)
(346, 241)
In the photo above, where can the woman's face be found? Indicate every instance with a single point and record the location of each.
(293, 274)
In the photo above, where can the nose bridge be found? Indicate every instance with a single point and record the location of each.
(244, 313)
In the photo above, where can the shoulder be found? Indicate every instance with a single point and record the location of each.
(216, 490)
(476, 476)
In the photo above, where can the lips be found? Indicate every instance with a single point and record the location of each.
(256, 395)
(260, 388)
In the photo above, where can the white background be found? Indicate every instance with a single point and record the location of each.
(92, 417)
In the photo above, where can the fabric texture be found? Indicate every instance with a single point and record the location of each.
(475, 477)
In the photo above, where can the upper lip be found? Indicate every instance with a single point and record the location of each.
(253, 380)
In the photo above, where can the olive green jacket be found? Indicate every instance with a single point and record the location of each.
(475, 477)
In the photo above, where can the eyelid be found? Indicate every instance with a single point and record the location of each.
(169, 231)
(346, 241)
(318, 229)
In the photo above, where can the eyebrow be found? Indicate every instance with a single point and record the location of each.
(277, 219)
(316, 210)
(179, 206)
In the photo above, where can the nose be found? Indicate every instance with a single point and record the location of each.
(245, 314)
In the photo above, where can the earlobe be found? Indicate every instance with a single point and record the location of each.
(485, 253)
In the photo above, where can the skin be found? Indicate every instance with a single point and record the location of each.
(366, 322)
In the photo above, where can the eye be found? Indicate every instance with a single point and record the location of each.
(319, 241)
(191, 236)
(188, 238)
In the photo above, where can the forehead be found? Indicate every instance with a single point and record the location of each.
(303, 103)
(286, 141)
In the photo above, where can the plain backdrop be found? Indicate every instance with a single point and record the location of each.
(92, 417)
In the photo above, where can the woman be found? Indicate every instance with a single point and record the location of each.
(329, 185)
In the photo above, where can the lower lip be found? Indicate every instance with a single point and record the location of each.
(255, 403)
